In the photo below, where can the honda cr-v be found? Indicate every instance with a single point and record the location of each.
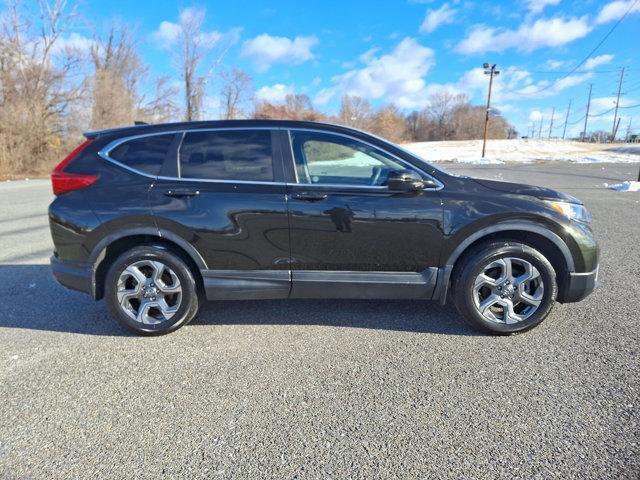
(157, 218)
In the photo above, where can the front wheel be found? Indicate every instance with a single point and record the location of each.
(505, 287)
(151, 291)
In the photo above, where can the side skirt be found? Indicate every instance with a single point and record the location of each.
(246, 284)
(272, 284)
(367, 285)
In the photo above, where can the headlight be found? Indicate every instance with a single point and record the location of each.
(571, 210)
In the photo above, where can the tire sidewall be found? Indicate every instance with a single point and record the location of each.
(465, 290)
(189, 303)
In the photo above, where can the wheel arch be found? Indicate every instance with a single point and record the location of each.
(537, 236)
(113, 245)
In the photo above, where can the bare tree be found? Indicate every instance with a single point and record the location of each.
(192, 55)
(118, 71)
(295, 107)
(418, 126)
(301, 108)
(235, 94)
(355, 112)
(441, 104)
(37, 87)
(195, 45)
(389, 123)
(162, 107)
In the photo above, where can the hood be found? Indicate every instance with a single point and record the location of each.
(522, 189)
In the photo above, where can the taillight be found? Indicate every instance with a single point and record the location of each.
(64, 182)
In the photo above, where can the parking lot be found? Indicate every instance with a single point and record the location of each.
(322, 389)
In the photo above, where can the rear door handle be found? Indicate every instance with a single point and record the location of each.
(182, 192)
(309, 196)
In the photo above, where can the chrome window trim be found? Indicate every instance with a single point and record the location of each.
(104, 154)
(439, 184)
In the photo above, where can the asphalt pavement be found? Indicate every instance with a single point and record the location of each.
(322, 389)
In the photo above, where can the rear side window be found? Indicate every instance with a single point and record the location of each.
(227, 155)
(146, 154)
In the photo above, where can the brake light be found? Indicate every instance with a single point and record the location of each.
(63, 182)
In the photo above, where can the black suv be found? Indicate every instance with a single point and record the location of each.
(155, 218)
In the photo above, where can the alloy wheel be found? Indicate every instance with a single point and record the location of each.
(508, 290)
(149, 292)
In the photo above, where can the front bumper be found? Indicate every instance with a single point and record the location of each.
(578, 286)
(76, 276)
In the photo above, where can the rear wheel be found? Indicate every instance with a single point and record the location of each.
(505, 287)
(151, 291)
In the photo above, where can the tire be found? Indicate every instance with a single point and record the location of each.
(169, 297)
(494, 291)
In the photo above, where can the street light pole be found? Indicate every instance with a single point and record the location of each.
(491, 71)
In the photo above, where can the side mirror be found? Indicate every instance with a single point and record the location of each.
(406, 181)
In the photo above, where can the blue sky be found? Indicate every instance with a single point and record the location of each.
(404, 50)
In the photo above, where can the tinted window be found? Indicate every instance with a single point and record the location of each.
(145, 154)
(323, 158)
(227, 155)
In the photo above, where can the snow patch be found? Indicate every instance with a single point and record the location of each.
(628, 186)
(524, 151)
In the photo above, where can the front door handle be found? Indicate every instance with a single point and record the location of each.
(182, 192)
(309, 196)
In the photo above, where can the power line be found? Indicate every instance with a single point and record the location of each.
(560, 72)
(602, 113)
(584, 60)
(577, 121)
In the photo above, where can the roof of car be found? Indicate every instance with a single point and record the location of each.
(265, 123)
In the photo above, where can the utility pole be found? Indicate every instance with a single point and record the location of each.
(586, 117)
(615, 115)
(615, 129)
(553, 112)
(566, 120)
(540, 129)
(491, 71)
(627, 136)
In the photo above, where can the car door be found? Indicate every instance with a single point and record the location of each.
(351, 235)
(223, 192)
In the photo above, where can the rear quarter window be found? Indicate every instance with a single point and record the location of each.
(145, 154)
(227, 155)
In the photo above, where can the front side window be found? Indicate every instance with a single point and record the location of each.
(324, 158)
(227, 155)
(146, 154)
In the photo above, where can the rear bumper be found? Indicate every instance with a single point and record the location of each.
(73, 275)
(578, 286)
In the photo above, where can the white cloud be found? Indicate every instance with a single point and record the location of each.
(594, 62)
(535, 116)
(168, 32)
(73, 42)
(274, 93)
(554, 64)
(536, 6)
(514, 83)
(266, 50)
(615, 10)
(434, 18)
(603, 104)
(552, 32)
(395, 77)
